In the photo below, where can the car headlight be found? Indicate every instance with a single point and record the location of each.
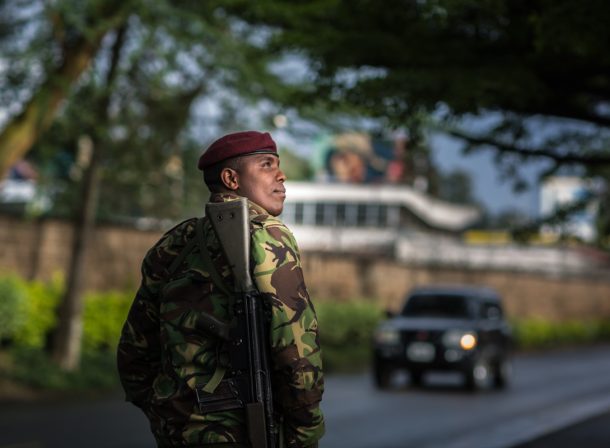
(387, 336)
(466, 340)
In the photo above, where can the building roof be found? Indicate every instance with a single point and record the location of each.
(478, 291)
(434, 212)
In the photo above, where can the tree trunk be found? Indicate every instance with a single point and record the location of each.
(67, 342)
(68, 335)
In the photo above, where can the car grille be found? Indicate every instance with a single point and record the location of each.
(432, 336)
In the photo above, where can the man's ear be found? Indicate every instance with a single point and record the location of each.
(230, 178)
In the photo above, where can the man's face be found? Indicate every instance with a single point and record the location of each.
(261, 180)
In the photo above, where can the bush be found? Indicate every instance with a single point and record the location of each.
(103, 318)
(346, 332)
(41, 305)
(28, 313)
(537, 333)
(13, 303)
(33, 367)
(36, 302)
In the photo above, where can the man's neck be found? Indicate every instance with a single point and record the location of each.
(226, 196)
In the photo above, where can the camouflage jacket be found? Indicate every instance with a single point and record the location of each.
(161, 355)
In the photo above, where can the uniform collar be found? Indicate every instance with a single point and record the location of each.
(253, 207)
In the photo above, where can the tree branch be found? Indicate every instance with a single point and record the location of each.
(38, 114)
(568, 157)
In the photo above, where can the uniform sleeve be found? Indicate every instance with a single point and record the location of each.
(139, 353)
(298, 380)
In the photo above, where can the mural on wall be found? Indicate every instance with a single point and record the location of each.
(356, 157)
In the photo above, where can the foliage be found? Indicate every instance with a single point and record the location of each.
(471, 56)
(42, 301)
(33, 367)
(526, 79)
(103, 319)
(150, 65)
(13, 300)
(294, 167)
(29, 324)
(346, 333)
(456, 187)
(35, 318)
(539, 333)
(28, 309)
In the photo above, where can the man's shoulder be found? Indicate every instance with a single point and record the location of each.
(264, 221)
(182, 229)
(172, 241)
(270, 231)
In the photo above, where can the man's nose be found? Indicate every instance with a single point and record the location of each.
(281, 177)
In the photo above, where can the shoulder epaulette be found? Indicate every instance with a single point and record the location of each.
(264, 221)
(178, 225)
(177, 235)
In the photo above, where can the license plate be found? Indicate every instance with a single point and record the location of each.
(421, 352)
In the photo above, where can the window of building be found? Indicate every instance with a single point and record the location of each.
(372, 215)
(298, 213)
(330, 214)
(341, 214)
(383, 215)
(319, 214)
(309, 213)
(288, 213)
(393, 216)
(351, 215)
(361, 213)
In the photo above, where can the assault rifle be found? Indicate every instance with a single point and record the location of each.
(249, 334)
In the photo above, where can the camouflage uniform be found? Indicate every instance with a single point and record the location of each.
(161, 354)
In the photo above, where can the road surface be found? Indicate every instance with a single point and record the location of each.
(550, 391)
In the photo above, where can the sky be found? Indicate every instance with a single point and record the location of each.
(495, 193)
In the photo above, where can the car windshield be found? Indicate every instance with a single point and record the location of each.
(438, 305)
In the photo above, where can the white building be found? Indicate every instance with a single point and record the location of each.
(365, 217)
(409, 226)
(562, 191)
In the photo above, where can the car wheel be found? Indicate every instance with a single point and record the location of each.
(382, 375)
(503, 370)
(477, 375)
(415, 377)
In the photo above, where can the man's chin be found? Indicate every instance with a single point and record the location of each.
(275, 211)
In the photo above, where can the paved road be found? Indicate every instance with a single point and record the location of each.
(550, 391)
(592, 433)
(105, 423)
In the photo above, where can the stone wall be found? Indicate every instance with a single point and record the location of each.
(525, 295)
(38, 249)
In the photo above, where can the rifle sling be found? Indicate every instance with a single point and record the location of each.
(208, 264)
(180, 258)
(218, 282)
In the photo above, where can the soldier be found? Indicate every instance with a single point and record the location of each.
(163, 355)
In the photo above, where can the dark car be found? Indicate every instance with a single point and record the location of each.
(446, 328)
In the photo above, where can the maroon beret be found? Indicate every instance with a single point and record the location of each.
(237, 144)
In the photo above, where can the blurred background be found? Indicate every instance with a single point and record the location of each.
(425, 142)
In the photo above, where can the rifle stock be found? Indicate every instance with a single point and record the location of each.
(231, 223)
